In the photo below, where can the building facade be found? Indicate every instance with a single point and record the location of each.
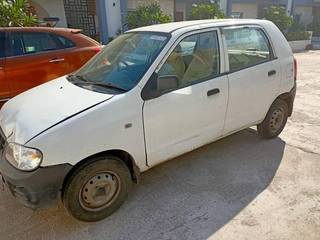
(303, 10)
(102, 19)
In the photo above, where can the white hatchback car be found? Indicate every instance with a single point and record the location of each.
(151, 94)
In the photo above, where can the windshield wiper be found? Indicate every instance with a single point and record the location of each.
(107, 85)
(100, 84)
(79, 77)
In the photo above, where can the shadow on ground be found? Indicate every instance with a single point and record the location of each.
(190, 197)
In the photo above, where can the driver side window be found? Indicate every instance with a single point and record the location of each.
(194, 59)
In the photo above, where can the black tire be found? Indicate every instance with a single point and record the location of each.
(106, 177)
(275, 120)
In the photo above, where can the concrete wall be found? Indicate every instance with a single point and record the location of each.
(299, 46)
(51, 8)
(182, 7)
(167, 6)
(306, 14)
(249, 10)
(113, 16)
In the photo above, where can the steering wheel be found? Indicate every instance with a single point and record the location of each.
(121, 61)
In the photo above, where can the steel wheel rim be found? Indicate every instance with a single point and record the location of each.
(277, 118)
(99, 191)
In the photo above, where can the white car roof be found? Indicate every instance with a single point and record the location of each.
(171, 27)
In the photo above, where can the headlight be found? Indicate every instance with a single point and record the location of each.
(23, 158)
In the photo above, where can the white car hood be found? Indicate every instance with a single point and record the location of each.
(33, 111)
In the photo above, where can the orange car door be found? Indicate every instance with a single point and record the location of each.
(67, 57)
(4, 86)
(70, 57)
(32, 61)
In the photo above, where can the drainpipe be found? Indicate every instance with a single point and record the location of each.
(293, 7)
(174, 10)
(229, 7)
(102, 19)
(124, 15)
(289, 9)
(223, 4)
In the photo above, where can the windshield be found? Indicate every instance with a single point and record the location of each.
(121, 64)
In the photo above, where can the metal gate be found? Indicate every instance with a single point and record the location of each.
(81, 14)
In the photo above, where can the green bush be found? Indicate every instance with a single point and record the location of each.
(15, 13)
(206, 11)
(278, 16)
(298, 35)
(297, 32)
(296, 26)
(147, 14)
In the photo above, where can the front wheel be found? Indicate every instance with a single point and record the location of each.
(97, 188)
(275, 120)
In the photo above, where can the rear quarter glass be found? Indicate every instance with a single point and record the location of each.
(83, 40)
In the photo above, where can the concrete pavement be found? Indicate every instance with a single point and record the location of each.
(241, 187)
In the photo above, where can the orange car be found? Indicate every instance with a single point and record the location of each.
(32, 56)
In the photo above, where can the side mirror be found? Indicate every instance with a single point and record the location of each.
(156, 86)
(167, 83)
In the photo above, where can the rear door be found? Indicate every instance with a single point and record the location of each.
(67, 57)
(32, 60)
(74, 52)
(254, 76)
(4, 86)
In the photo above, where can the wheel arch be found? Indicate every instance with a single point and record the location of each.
(287, 97)
(123, 155)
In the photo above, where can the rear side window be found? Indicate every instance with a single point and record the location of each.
(246, 47)
(32, 42)
(2, 44)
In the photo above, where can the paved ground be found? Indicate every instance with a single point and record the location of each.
(241, 187)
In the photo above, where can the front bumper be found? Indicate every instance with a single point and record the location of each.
(36, 189)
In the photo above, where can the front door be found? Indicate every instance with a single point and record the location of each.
(254, 76)
(192, 114)
(4, 86)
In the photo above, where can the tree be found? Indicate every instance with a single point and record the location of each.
(15, 13)
(206, 11)
(278, 16)
(147, 14)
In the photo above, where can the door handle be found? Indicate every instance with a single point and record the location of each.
(272, 72)
(213, 92)
(55, 60)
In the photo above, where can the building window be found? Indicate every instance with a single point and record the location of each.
(81, 14)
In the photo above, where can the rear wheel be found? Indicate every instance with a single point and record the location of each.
(275, 120)
(97, 188)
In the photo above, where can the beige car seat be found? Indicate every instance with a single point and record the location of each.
(174, 65)
(203, 65)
